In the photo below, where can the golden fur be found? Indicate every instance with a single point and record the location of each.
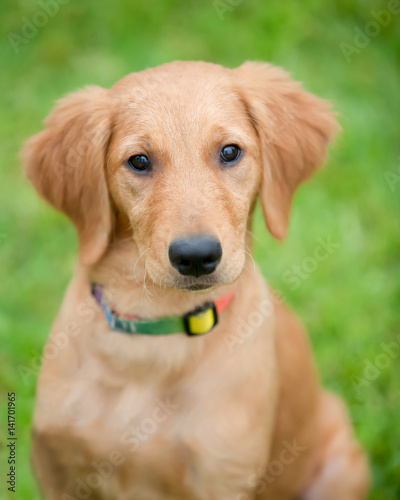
(239, 413)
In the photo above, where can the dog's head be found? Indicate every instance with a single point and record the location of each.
(175, 157)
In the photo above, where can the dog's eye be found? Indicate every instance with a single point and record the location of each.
(139, 163)
(230, 153)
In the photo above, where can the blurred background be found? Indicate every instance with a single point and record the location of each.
(345, 51)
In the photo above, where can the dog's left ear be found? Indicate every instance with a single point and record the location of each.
(294, 129)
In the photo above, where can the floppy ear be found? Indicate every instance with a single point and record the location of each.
(294, 128)
(66, 165)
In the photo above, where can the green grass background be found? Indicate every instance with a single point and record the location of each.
(350, 303)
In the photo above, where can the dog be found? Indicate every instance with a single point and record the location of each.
(152, 388)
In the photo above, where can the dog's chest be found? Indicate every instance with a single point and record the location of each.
(150, 444)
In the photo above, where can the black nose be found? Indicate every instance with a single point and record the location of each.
(195, 255)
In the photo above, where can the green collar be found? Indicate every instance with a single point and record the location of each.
(197, 322)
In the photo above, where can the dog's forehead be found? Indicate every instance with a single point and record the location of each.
(179, 94)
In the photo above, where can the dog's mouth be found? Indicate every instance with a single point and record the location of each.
(197, 287)
(196, 284)
(189, 284)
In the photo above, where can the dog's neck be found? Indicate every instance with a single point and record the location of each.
(137, 356)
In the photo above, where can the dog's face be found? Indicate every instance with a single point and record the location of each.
(183, 167)
(174, 157)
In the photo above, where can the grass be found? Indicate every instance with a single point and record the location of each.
(349, 302)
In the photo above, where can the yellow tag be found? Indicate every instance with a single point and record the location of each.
(202, 322)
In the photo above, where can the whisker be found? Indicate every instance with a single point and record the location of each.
(251, 257)
(134, 267)
(145, 290)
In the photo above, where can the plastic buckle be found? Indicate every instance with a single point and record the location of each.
(201, 321)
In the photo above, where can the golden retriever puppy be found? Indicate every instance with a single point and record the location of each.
(172, 371)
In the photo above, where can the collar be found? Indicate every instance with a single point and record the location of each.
(194, 323)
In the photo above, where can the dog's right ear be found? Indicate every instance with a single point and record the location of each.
(66, 165)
